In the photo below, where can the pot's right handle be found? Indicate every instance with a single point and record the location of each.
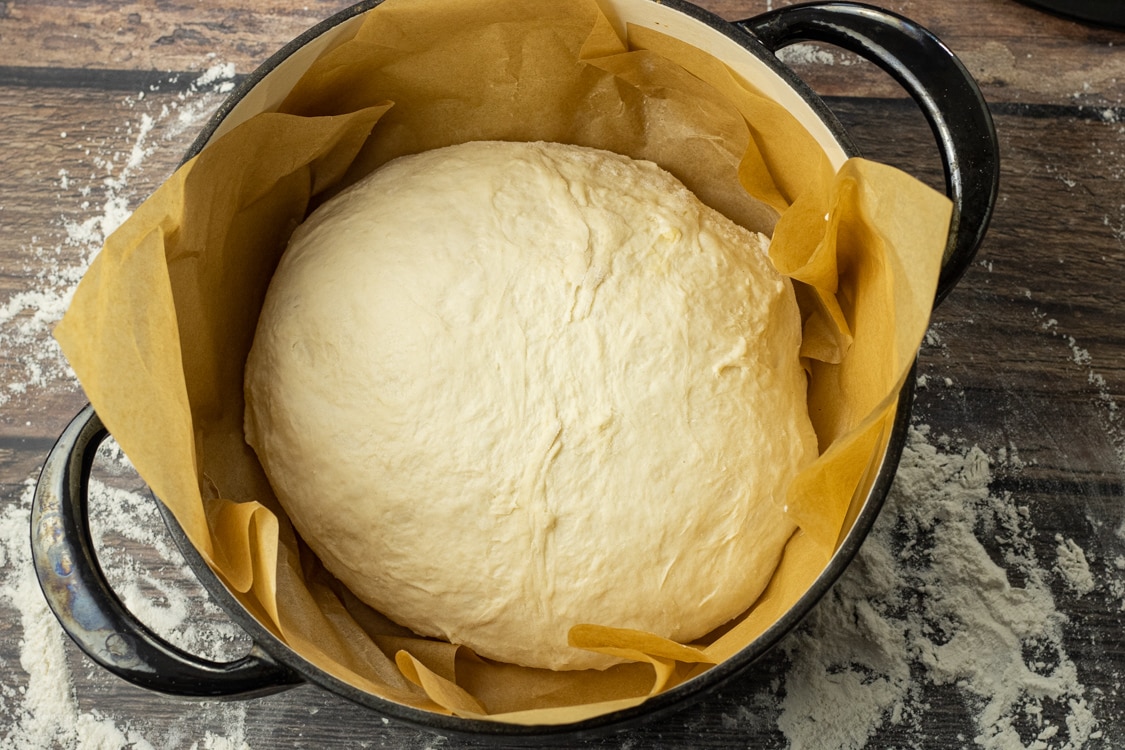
(938, 82)
(90, 612)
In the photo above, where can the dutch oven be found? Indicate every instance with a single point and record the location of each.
(64, 555)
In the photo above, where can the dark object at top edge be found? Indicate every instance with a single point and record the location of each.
(1109, 13)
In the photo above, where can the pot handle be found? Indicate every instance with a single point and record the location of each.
(937, 81)
(91, 613)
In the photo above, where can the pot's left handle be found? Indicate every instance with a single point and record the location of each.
(91, 613)
(937, 81)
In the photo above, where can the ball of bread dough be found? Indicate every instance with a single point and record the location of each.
(506, 388)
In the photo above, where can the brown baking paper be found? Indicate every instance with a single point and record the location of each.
(160, 326)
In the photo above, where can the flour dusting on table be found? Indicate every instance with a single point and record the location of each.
(946, 591)
(39, 707)
(38, 704)
(947, 594)
(90, 211)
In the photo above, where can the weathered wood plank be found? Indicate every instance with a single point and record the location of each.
(1024, 357)
(147, 35)
(1056, 236)
(1018, 53)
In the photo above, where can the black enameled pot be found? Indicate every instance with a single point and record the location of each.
(64, 556)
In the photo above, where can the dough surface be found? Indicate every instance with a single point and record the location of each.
(505, 388)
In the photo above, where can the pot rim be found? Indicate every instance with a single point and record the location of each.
(742, 37)
(659, 705)
(64, 554)
(663, 703)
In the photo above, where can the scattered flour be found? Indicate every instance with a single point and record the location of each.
(946, 591)
(806, 54)
(38, 708)
(27, 316)
(1073, 567)
(160, 588)
(219, 75)
(1109, 411)
(38, 705)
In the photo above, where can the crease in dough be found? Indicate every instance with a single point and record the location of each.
(506, 388)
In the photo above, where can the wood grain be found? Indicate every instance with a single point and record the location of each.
(1026, 358)
(1007, 46)
(163, 36)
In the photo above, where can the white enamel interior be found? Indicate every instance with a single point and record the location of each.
(268, 94)
(667, 20)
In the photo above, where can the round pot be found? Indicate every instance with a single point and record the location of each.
(108, 633)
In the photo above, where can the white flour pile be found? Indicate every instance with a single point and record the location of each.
(38, 705)
(926, 604)
(947, 594)
(102, 204)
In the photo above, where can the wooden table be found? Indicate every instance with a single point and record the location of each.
(1026, 359)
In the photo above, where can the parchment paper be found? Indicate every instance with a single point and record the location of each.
(160, 326)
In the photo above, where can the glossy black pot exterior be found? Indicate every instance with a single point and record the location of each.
(109, 634)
